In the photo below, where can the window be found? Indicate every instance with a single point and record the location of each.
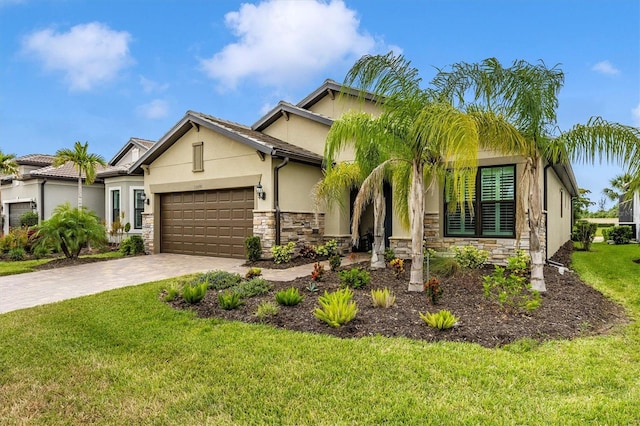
(198, 157)
(494, 206)
(115, 205)
(138, 208)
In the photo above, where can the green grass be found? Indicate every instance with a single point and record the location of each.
(24, 266)
(123, 357)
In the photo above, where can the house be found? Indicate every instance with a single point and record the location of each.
(124, 187)
(40, 187)
(117, 192)
(209, 183)
(629, 213)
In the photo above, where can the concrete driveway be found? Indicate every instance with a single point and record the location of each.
(53, 285)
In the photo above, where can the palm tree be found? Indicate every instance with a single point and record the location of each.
(527, 96)
(619, 186)
(420, 138)
(8, 165)
(84, 162)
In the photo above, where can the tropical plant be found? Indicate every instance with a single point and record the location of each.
(470, 257)
(252, 273)
(526, 95)
(17, 253)
(229, 300)
(328, 249)
(421, 139)
(282, 254)
(253, 248)
(266, 309)
(442, 320)
(354, 278)
(510, 290)
(389, 254)
(583, 233)
(8, 165)
(397, 265)
(132, 245)
(335, 261)
(194, 293)
(433, 290)
(29, 219)
(84, 162)
(69, 230)
(619, 187)
(383, 298)
(289, 297)
(318, 271)
(621, 234)
(171, 292)
(312, 287)
(218, 280)
(336, 308)
(253, 287)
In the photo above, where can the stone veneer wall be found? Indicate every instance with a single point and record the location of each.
(306, 228)
(147, 232)
(499, 248)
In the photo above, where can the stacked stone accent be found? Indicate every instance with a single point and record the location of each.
(499, 248)
(147, 232)
(302, 228)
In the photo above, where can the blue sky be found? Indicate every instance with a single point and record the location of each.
(106, 70)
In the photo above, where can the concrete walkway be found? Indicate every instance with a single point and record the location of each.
(53, 285)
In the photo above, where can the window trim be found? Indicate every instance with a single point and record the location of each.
(197, 163)
(477, 207)
(111, 204)
(132, 208)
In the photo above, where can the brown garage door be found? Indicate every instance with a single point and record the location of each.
(206, 223)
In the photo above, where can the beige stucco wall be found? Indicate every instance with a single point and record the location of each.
(558, 213)
(337, 106)
(296, 187)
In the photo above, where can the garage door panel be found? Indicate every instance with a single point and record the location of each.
(210, 223)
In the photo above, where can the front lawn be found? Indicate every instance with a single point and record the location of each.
(23, 266)
(124, 357)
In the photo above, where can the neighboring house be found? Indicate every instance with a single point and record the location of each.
(629, 213)
(124, 187)
(210, 183)
(40, 187)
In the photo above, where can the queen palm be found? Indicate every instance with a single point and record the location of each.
(420, 139)
(619, 186)
(527, 96)
(83, 161)
(8, 165)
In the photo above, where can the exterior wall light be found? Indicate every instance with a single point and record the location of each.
(260, 192)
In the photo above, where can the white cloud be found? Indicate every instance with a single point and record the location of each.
(150, 86)
(605, 67)
(154, 110)
(635, 112)
(88, 54)
(286, 42)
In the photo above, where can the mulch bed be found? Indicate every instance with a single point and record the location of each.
(569, 309)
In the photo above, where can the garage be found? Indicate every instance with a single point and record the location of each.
(206, 223)
(15, 211)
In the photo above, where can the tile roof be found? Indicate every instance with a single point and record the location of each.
(65, 171)
(36, 160)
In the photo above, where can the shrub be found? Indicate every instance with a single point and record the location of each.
(40, 251)
(398, 267)
(29, 219)
(318, 271)
(383, 298)
(252, 273)
(519, 263)
(266, 309)
(583, 233)
(621, 234)
(132, 245)
(469, 257)
(354, 278)
(605, 233)
(441, 320)
(511, 292)
(16, 238)
(335, 261)
(282, 254)
(253, 287)
(229, 300)
(328, 249)
(172, 292)
(444, 266)
(194, 293)
(70, 229)
(433, 290)
(336, 308)
(253, 248)
(17, 253)
(289, 297)
(389, 254)
(218, 280)
(308, 252)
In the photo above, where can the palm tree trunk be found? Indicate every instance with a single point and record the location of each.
(379, 213)
(535, 214)
(416, 217)
(80, 190)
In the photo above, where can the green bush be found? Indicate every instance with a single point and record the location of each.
(172, 292)
(441, 320)
(40, 251)
(29, 219)
(266, 309)
(194, 293)
(328, 249)
(16, 238)
(17, 253)
(354, 278)
(253, 287)
(289, 297)
(218, 280)
(336, 308)
(282, 254)
(583, 233)
(444, 267)
(621, 234)
(132, 245)
(229, 300)
(606, 232)
(253, 248)
(334, 262)
(383, 298)
(469, 257)
(252, 273)
(510, 291)
(389, 254)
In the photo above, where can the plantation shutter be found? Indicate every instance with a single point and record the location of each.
(497, 196)
(460, 222)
